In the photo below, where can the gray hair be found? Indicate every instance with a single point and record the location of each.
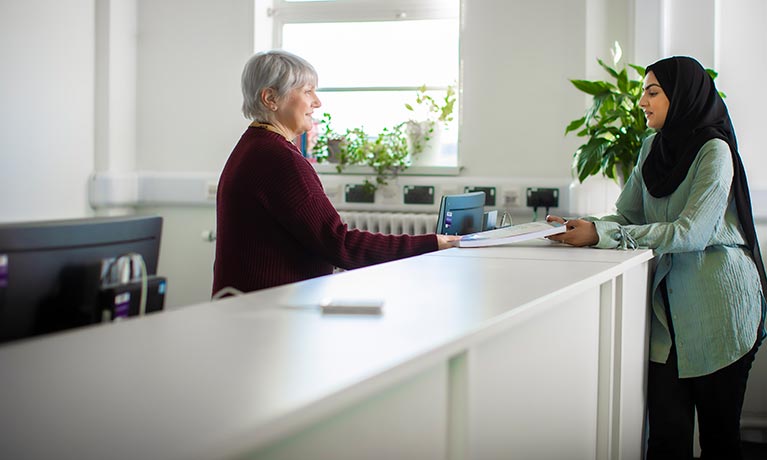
(277, 69)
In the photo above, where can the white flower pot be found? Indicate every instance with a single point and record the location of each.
(419, 132)
(595, 196)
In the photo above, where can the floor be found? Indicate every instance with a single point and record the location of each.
(754, 451)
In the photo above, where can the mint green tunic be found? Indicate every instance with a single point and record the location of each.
(713, 285)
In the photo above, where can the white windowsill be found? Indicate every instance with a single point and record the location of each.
(330, 168)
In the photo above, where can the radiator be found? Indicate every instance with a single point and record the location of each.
(393, 223)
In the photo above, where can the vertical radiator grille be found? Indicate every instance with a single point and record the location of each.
(393, 223)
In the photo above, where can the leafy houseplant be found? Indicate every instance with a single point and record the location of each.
(386, 153)
(614, 125)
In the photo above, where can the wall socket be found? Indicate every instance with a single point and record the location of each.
(542, 197)
(511, 198)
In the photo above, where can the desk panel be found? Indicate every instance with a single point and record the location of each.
(404, 421)
(533, 390)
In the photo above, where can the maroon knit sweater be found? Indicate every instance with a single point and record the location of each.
(275, 225)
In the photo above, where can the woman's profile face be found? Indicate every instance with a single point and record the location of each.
(294, 111)
(654, 102)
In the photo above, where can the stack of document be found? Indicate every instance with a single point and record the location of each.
(511, 234)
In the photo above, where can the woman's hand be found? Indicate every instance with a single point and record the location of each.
(447, 241)
(579, 232)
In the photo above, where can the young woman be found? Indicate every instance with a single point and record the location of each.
(275, 225)
(688, 199)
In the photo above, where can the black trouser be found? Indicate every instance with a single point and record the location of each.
(672, 401)
(718, 398)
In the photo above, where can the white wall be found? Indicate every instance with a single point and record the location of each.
(191, 54)
(728, 37)
(742, 63)
(46, 108)
(115, 85)
(516, 99)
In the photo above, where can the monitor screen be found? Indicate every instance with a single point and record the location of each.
(461, 214)
(50, 272)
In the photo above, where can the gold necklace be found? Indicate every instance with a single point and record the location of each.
(272, 128)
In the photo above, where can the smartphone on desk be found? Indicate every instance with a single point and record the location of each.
(351, 306)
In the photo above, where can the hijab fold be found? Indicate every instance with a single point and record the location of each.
(696, 114)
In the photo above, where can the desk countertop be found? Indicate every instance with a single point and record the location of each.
(217, 379)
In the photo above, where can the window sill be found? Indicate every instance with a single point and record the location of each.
(330, 168)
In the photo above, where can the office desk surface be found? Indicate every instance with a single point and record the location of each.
(539, 249)
(220, 379)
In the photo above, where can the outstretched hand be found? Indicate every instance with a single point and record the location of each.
(579, 232)
(447, 241)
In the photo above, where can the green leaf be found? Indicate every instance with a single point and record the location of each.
(635, 90)
(639, 70)
(592, 87)
(623, 81)
(609, 69)
(596, 106)
(575, 124)
(589, 157)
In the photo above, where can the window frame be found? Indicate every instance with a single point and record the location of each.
(270, 16)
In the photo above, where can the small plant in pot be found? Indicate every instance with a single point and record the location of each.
(386, 153)
(429, 117)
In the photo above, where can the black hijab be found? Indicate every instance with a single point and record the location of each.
(696, 114)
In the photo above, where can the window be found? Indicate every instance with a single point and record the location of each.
(371, 56)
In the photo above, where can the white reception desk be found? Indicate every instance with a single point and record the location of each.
(530, 352)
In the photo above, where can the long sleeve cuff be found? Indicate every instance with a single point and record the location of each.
(613, 235)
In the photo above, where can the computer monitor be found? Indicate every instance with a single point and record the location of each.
(50, 272)
(461, 214)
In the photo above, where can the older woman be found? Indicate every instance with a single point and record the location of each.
(275, 225)
(688, 199)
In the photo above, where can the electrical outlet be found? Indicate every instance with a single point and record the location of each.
(418, 194)
(542, 197)
(511, 198)
(358, 193)
(489, 193)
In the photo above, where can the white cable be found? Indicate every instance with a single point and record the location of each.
(135, 257)
(144, 287)
(226, 291)
(121, 271)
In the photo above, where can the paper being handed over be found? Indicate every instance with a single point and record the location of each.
(511, 234)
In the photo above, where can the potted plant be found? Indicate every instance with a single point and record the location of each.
(386, 153)
(393, 149)
(430, 116)
(614, 124)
